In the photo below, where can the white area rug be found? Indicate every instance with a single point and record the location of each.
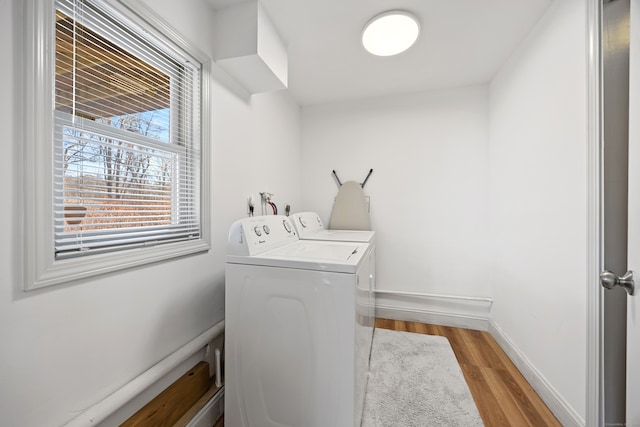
(415, 380)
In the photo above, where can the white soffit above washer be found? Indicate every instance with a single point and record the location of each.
(461, 43)
(249, 48)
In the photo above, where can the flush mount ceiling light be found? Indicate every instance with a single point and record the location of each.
(390, 33)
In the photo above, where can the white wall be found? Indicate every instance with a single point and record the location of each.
(429, 187)
(538, 200)
(66, 347)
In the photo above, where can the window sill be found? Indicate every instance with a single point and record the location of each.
(69, 270)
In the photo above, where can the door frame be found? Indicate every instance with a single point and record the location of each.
(594, 415)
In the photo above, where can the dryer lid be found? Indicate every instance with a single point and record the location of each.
(342, 236)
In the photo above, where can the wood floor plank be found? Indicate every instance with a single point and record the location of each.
(485, 355)
(527, 403)
(491, 412)
(421, 328)
(400, 325)
(460, 349)
(506, 399)
(384, 323)
(435, 330)
(524, 385)
(473, 354)
(411, 327)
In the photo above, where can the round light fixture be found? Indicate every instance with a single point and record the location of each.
(390, 33)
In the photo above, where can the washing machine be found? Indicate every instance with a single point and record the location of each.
(295, 355)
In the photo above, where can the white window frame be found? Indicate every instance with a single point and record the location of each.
(37, 43)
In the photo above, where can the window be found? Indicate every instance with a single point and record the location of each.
(115, 156)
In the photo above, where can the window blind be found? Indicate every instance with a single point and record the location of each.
(126, 137)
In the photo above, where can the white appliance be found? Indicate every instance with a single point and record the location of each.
(297, 349)
(310, 227)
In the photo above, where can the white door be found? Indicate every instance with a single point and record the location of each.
(633, 260)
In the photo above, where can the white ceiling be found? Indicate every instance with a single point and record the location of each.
(462, 42)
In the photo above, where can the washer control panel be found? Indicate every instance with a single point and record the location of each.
(253, 235)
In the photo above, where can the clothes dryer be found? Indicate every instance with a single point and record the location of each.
(295, 354)
(310, 227)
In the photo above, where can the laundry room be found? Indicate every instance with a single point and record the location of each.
(477, 195)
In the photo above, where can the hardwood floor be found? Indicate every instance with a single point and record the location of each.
(502, 395)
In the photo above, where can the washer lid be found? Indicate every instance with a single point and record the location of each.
(315, 251)
(339, 257)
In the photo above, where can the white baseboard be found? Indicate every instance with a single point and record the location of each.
(210, 413)
(460, 312)
(567, 416)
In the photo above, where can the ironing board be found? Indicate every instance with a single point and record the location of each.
(350, 210)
